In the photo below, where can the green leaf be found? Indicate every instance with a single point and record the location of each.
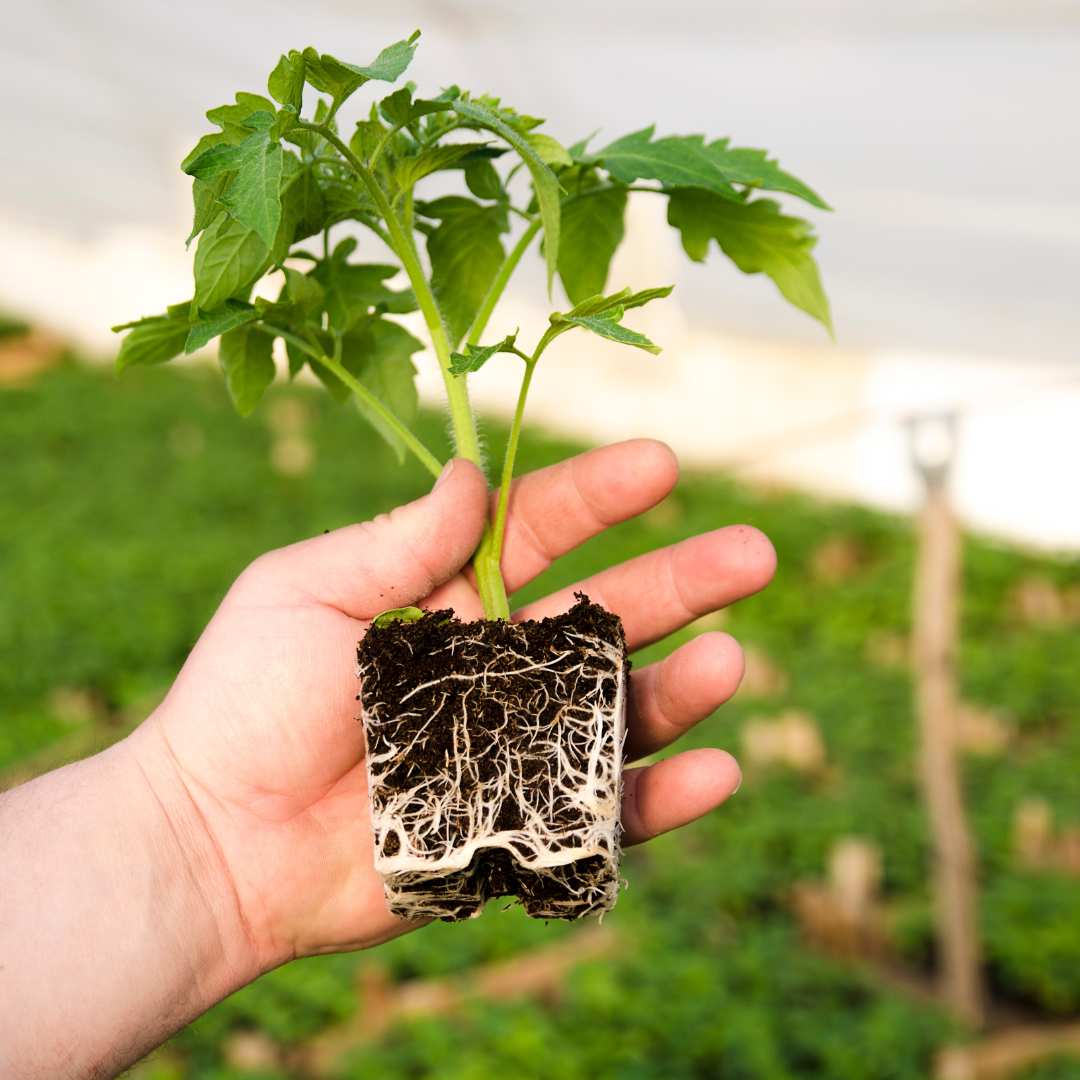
(482, 153)
(153, 340)
(338, 79)
(390, 375)
(466, 253)
(297, 359)
(391, 63)
(285, 120)
(215, 160)
(483, 181)
(398, 614)
(577, 151)
(204, 144)
(330, 76)
(411, 169)
(592, 229)
(476, 356)
(550, 151)
(303, 291)
(343, 201)
(299, 297)
(182, 311)
(286, 82)
(640, 299)
(255, 195)
(607, 326)
(229, 260)
(263, 119)
(203, 333)
(396, 107)
(518, 121)
(232, 119)
(544, 182)
(205, 195)
(678, 159)
(303, 210)
(253, 103)
(368, 134)
(352, 290)
(745, 166)
(757, 238)
(400, 109)
(356, 346)
(246, 356)
(596, 305)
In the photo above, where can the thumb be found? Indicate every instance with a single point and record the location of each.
(392, 561)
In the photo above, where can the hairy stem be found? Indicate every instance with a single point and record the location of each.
(425, 456)
(383, 143)
(488, 577)
(452, 126)
(468, 441)
(499, 526)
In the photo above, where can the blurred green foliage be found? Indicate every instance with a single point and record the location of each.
(127, 509)
(12, 327)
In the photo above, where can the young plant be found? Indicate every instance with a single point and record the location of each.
(493, 749)
(274, 176)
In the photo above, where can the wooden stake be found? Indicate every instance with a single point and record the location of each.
(937, 588)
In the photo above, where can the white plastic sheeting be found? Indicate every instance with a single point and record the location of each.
(943, 134)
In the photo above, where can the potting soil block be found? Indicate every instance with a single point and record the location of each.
(494, 761)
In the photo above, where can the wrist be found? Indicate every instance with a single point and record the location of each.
(115, 930)
(185, 844)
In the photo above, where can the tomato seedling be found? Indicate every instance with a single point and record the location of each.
(274, 176)
(494, 749)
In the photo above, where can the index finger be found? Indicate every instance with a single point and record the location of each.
(661, 591)
(555, 509)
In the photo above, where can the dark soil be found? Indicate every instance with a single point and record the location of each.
(485, 735)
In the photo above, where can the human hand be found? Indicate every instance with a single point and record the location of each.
(230, 833)
(261, 725)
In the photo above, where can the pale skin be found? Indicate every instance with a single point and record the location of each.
(229, 834)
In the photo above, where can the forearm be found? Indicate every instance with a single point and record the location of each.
(115, 927)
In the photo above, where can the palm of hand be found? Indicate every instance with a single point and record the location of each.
(262, 724)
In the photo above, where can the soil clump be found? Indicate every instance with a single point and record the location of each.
(494, 757)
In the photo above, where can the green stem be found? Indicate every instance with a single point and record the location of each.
(383, 142)
(467, 438)
(453, 126)
(508, 463)
(426, 457)
(408, 218)
(499, 284)
(499, 526)
(488, 577)
(488, 558)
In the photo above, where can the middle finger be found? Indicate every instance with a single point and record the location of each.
(669, 697)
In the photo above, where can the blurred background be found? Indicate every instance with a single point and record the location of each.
(794, 933)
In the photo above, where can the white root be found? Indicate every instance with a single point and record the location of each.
(519, 768)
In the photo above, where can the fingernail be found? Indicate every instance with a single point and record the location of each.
(448, 468)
